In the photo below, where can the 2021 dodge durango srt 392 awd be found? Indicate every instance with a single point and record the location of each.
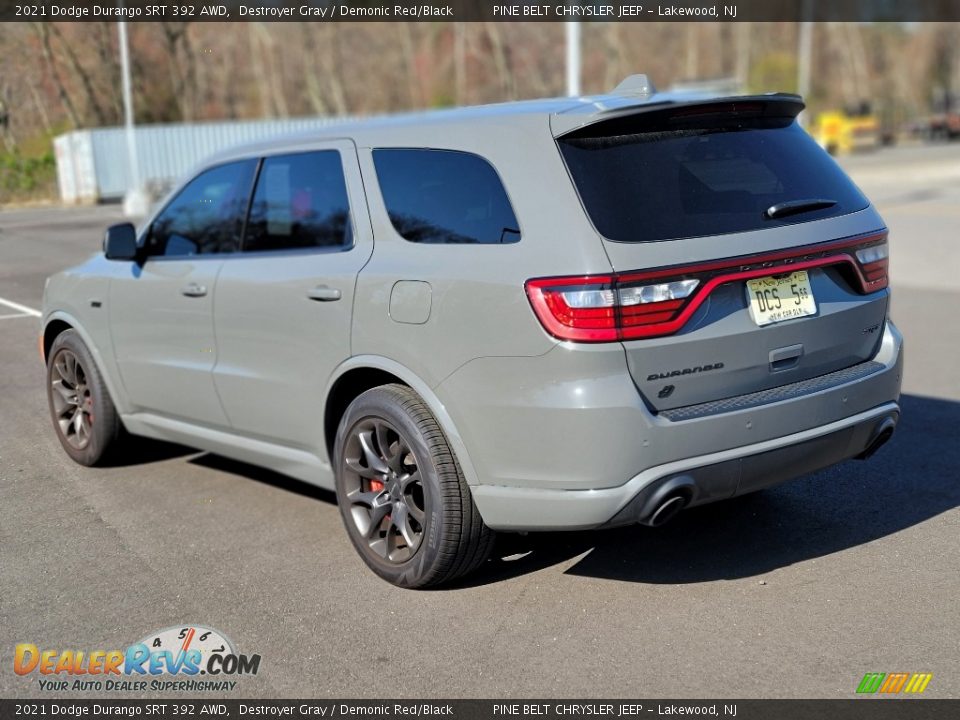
(546, 315)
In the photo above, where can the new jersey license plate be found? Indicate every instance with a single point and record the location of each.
(774, 299)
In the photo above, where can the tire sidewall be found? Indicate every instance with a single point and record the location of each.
(419, 569)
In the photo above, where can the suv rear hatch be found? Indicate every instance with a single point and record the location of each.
(744, 258)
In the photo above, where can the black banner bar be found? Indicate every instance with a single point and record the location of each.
(854, 709)
(480, 10)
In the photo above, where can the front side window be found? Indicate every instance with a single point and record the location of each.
(207, 215)
(300, 202)
(444, 196)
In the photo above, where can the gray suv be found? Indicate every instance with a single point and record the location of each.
(548, 315)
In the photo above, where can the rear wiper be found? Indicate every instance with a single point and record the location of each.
(795, 207)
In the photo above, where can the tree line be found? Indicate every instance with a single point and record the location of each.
(59, 76)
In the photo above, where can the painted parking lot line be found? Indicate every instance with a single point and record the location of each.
(11, 316)
(22, 310)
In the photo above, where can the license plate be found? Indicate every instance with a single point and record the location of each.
(774, 299)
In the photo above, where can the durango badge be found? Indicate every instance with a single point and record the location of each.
(684, 371)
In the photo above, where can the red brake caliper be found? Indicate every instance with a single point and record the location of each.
(377, 486)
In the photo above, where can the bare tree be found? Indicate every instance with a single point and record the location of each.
(43, 32)
(501, 61)
(92, 99)
(183, 71)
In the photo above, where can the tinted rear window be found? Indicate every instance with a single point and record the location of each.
(444, 196)
(300, 202)
(653, 178)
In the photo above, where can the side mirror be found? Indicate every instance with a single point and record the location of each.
(120, 242)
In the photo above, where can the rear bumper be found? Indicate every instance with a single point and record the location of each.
(564, 442)
(706, 478)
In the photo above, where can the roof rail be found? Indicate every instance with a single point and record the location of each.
(635, 85)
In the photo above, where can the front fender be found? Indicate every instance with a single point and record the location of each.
(105, 364)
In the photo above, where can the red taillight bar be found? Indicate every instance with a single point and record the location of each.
(562, 321)
(627, 322)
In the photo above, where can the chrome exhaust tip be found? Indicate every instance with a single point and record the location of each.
(669, 498)
(667, 510)
(882, 434)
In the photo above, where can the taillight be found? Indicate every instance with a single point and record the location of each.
(874, 264)
(604, 308)
(576, 308)
(652, 303)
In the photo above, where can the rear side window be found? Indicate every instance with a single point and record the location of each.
(207, 215)
(300, 202)
(444, 196)
(661, 176)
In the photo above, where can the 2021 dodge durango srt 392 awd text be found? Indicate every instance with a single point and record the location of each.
(545, 315)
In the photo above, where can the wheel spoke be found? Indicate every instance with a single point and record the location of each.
(403, 452)
(381, 546)
(63, 397)
(401, 521)
(407, 480)
(362, 471)
(415, 512)
(62, 367)
(377, 514)
(70, 365)
(374, 461)
(67, 393)
(368, 499)
(83, 431)
(382, 432)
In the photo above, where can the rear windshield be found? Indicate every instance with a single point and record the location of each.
(668, 175)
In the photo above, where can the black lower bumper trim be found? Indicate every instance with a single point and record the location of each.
(761, 470)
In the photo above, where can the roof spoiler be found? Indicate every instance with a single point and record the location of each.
(582, 117)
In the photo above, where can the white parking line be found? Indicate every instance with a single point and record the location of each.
(22, 309)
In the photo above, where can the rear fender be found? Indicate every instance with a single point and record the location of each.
(426, 393)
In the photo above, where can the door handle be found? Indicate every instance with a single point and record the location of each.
(324, 293)
(785, 358)
(193, 290)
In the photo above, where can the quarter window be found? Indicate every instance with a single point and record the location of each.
(443, 196)
(207, 215)
(300, 202)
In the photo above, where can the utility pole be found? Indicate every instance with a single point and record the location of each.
(573, 58)
(804, 60)
(134, 202)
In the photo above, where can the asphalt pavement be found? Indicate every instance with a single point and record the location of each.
(793, 592)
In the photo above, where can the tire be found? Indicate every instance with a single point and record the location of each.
(402, 495)
(75, 387)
